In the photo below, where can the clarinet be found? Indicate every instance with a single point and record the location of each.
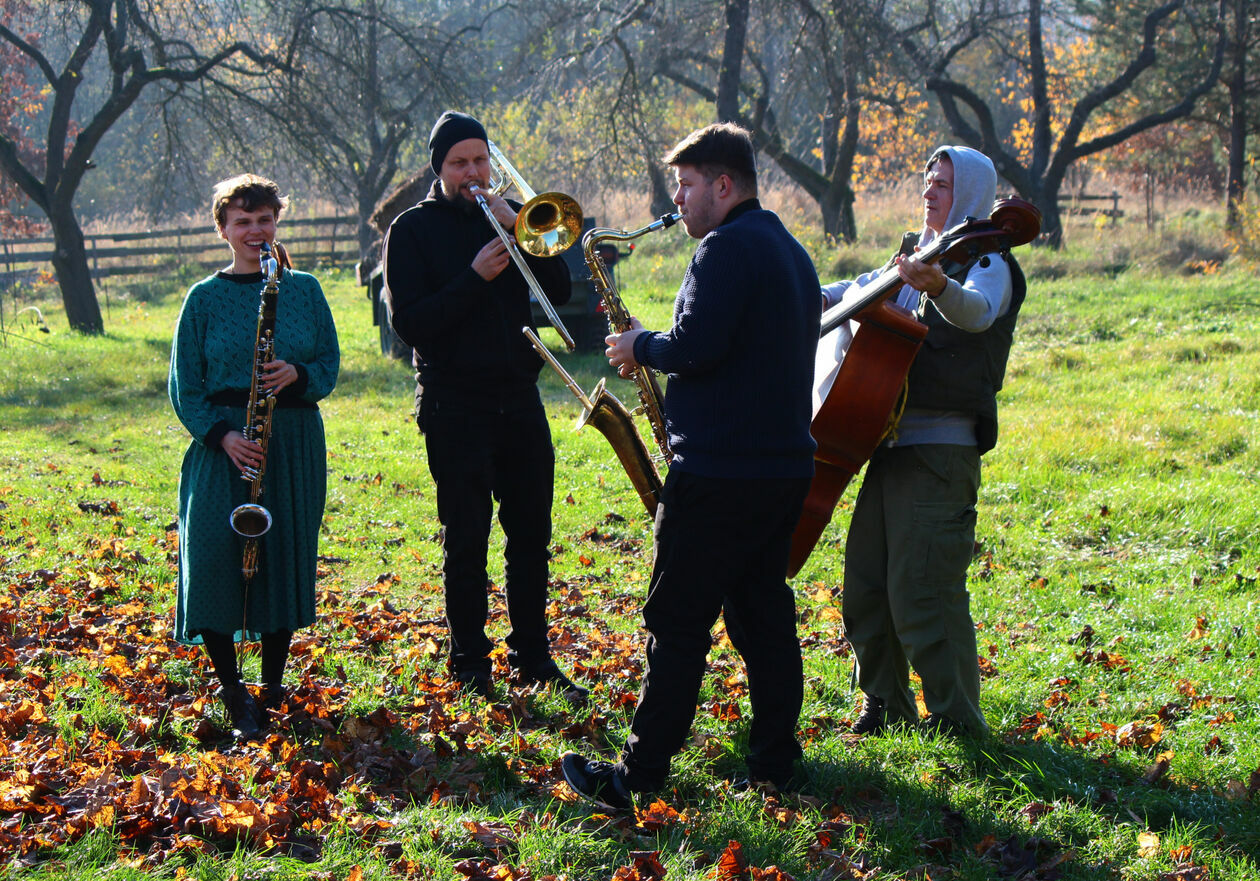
(251, 520)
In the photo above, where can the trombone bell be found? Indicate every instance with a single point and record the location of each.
(548, 224)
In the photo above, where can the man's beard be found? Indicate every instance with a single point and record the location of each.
(467, 207)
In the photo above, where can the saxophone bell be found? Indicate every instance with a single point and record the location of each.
(250, 520)
(610, 418)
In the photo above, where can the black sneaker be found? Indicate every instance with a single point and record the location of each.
(596, 781)
(475, 682)
(873, 719)
(548, 673)
(790, 780)
(753, 784)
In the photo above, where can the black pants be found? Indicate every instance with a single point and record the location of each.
(721, 546)
(477, 457)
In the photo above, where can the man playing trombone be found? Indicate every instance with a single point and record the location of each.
(458, 301)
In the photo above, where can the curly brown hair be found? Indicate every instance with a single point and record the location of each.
(249, 192)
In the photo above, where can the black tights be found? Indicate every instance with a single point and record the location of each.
(222, 652)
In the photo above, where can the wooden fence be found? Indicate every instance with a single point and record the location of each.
(310, 241)
(1073, 204)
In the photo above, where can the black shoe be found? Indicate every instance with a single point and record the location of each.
(549, 674)
(790, 780)
(936, 725)
(597, 782)
(241, 710)
(273, 698)
(873, 719)
(754, 784)
(475, 682)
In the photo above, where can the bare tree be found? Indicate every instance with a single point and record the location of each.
(1135, 40)
(140, 45)
(361, 76)
(796, 73)
(1240, 90)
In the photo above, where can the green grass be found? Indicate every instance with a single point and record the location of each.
(1114, 591)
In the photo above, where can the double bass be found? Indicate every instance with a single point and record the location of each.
(857, 392)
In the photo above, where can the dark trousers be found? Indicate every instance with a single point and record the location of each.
(478, 457)
(721, 547)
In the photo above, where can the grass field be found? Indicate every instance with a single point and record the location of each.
(1114, 591)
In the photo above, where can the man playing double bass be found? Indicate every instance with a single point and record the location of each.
(913, 528)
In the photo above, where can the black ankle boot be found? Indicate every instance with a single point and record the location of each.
(273, 698)
(241, 710)
(873, 719)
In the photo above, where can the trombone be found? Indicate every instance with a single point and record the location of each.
(546, 225)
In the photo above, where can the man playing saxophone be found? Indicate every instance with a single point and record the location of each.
(740, 362)
(459, 303)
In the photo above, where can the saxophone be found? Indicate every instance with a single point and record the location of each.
(650, 398)
(613, 421)
(602, 409)
(251, 520)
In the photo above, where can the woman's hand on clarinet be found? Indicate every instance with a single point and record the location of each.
(620, 349)
(245, 454)
(277, 374)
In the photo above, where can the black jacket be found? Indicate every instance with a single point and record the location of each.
(465, 331)
(740, 354)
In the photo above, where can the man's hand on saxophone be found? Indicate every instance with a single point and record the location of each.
(620, 349)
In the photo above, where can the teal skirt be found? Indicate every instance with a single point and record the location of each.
(281, 596)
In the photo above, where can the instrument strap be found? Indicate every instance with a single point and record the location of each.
(894, 421)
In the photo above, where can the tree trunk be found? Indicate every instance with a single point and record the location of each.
(83, 312)
(367, 232)
(837, 213)
(1047, 200)
(1235, 178)
(730, 73)
(662, 201)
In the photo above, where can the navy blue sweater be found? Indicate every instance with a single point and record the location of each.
(740, 356)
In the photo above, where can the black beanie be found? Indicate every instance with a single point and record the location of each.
(451, 128)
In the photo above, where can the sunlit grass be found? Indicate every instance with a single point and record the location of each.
(1115, 585)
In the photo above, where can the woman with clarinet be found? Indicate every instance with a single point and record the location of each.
(255, 349)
